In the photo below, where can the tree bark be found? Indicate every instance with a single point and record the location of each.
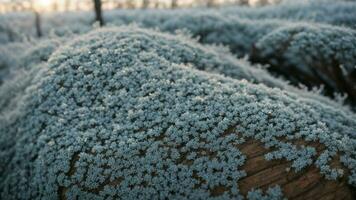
(38, 24)
(98, 12)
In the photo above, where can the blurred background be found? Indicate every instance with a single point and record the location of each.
(82, 5)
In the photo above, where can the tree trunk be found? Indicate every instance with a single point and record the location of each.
(174, 4)
(243, 2)
(66, 5)
(130, 4)
(38, 24)
(98, 12)
(145, 4)
(210, 3)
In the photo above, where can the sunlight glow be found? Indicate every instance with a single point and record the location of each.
(43, 5)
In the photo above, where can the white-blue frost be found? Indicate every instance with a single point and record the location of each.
(127, 113)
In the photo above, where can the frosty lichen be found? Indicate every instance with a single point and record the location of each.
(21, 63)
(303, 10)
(317, 55)
(272, 194)
(116, 117)
(9, 61)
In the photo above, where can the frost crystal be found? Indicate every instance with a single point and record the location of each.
(123, 117)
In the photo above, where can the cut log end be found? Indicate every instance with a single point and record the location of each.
(306, 184)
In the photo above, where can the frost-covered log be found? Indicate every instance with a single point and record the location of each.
(21, 64)
(16, 27)
(312, 55)
(317, 55)
(308, 54)
(9, 58)
(239, 34)
(111, 116)
(177, 49)
(339, 13)
(23, 55)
